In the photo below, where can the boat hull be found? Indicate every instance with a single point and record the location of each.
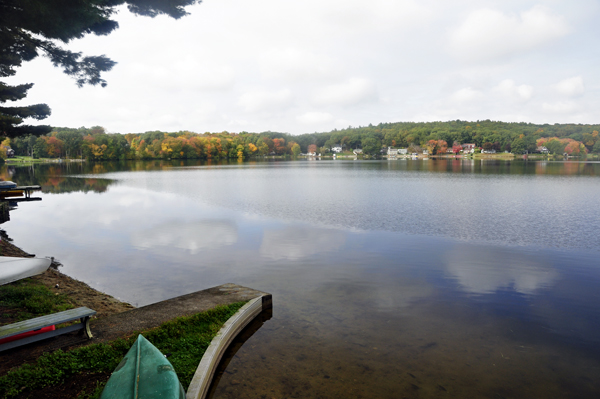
(144, 373)
(13, 269)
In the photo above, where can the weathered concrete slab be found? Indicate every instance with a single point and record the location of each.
(122, 324)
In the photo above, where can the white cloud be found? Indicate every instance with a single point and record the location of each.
(358, 15)
(354, 91)
(571, 87)
(261, 100)
(311, 118)
(560, 107)
(488, 33)
(293, 64)
(184, 75)
(466, 95)
(216, 77)
(508, 88)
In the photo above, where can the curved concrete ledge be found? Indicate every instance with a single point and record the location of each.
(203, 377)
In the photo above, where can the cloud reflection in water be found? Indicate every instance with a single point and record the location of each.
(485, 269)
(298, 242)
(193, 237)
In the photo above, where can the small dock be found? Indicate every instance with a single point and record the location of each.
(29, 189)
(124, 324)
(20, 193)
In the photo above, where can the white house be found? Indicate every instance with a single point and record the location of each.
(392, 152)
(336, 148)
(402, 151)
(542, 149)
(468, 148)
(357, 151)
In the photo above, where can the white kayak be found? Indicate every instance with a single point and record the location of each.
(13, 269)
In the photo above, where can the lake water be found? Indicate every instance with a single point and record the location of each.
(391, 279)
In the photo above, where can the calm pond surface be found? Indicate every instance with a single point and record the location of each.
(391, 279)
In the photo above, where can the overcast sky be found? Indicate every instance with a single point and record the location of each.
(316, 65)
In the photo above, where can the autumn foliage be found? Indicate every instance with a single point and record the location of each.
(519, 138)
(456, 147)
(95, 144)
(437, 147)
(557, 145)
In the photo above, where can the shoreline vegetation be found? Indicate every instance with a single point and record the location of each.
(25, 161)
(82, 372)
(437, 138)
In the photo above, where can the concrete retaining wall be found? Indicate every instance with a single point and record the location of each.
(205, 372)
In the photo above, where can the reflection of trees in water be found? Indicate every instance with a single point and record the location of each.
(54, 178)
(491, 167)
(71, 184)
(62, 177)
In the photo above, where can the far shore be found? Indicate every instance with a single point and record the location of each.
(22, 160)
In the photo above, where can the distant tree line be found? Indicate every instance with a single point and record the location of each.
(517, 138)
(95, 144)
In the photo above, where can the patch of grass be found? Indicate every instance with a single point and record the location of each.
(25, 299)
(95, 394)
(184, 340)
(25, 159)
(499, 155)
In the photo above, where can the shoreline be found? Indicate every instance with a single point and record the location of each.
(190, 317)
(78, 292)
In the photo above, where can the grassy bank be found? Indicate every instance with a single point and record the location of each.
(86, 369)
(23, 160)
(28, 298)
(26, 160)
(500, 155)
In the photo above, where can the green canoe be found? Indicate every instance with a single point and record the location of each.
(144, 373)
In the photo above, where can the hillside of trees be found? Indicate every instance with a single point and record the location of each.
(95, 144)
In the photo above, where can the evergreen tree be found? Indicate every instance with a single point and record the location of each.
(11, 118)
(29, 28)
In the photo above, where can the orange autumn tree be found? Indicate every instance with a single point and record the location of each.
(279, 145)
(436, 147)
(575, 148)
(54, 146)
(559, 146)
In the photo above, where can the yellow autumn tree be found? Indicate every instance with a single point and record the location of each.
(98, 150)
